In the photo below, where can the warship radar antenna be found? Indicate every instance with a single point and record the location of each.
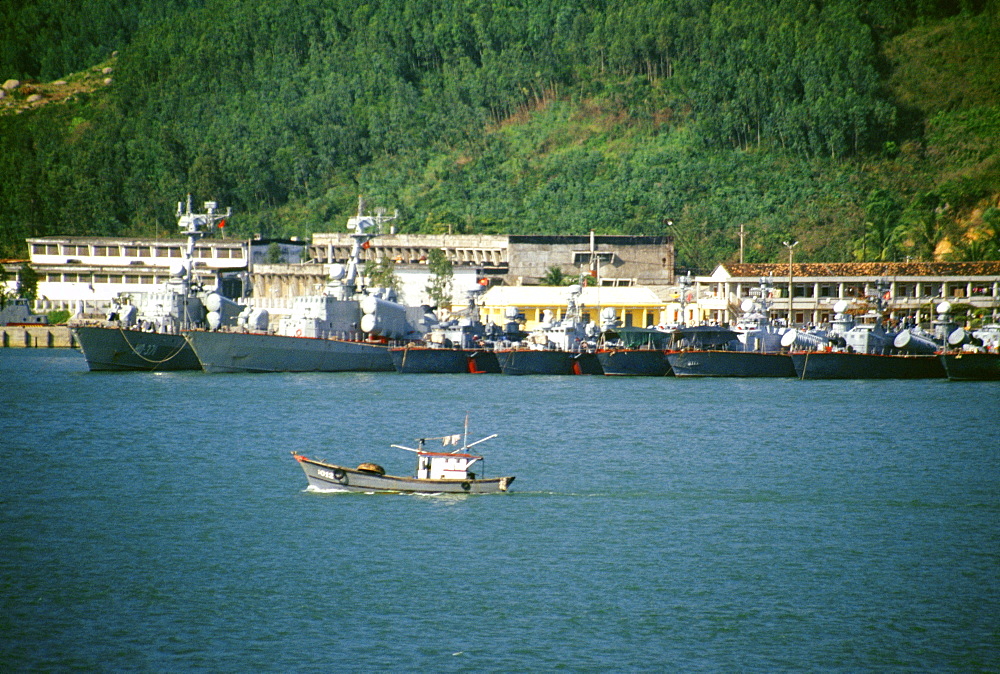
(365, 228)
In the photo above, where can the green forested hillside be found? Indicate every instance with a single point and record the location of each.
(867, 130)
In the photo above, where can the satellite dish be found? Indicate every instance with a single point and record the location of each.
(944, 307)
(178, 270)
(510, 313)
(337, 271)
(840, 307)
(746, 306)
(608, 314)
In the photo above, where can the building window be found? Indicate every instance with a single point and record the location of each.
(131, 278)
(131, 251)
(222, 252)
(53, 278)
(101, 278)
(175, 252)
(601, 257)
(148, 280)
(161, 252)
(143, 251)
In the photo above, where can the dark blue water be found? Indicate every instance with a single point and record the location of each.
(157, 522)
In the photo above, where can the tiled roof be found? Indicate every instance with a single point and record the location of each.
(987, 268)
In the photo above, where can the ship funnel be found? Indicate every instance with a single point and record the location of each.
(911, 342)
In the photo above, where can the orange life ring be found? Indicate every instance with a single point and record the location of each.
(298, 333)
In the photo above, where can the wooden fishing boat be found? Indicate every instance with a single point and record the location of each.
(437, 473)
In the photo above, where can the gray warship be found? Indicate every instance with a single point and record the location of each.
(753, 351)
(973, 355)
(143, 330)
(556, 346)
(864, 349)
(343, 329)
(458, 345)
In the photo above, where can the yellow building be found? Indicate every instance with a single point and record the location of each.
(634, 305)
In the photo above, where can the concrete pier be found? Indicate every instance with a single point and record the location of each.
(37, 336)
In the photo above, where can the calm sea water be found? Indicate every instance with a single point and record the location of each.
(153, 522)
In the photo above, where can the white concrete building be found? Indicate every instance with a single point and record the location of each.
(912, 288)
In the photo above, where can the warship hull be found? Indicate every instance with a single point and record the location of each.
(971, 366)
(119, 349)
(634, 362)
(255, 352)
(423, 360)
(730, 364)
(843, 365)
(521, 362)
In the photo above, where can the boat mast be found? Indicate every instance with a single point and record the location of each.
(366, 228)
(191, 225)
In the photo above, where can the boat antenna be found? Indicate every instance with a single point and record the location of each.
(465, 439)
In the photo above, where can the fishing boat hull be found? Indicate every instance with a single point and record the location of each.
(971, 366)
(255, 352)
(324, 476)
(730, 364)
(424, 360)
(845, 365)
(120, 349)
(634, 362)
(527, 361)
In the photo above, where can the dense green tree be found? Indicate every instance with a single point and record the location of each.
(882, 230)
(27, 282)
(381, 273)
(441, 275)
(554, 117)
(554, 276)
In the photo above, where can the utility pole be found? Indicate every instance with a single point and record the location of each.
(790, 246)
(741, 243)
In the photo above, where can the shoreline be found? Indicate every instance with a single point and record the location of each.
(37, 336)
